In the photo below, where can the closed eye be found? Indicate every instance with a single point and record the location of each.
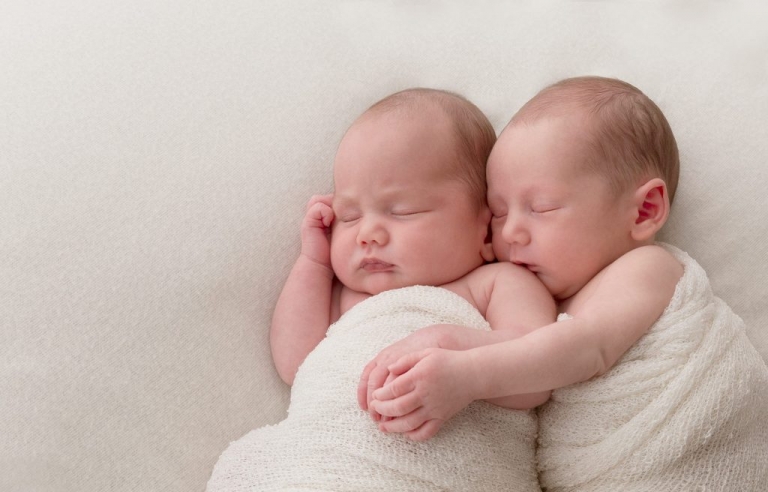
(348, 218)
(408, 213)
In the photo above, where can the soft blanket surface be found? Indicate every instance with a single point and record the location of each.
(328, 443)
(685, 409)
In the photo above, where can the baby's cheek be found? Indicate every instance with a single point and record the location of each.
(338, 254)
(500, 250)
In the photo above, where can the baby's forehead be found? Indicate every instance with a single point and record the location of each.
(391, 195)
(572, 114)
(423, 112)
(573, 134)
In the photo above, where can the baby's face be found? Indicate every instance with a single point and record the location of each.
(399, 219)
(550, 213)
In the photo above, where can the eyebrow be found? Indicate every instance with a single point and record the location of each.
(341, 200)
(386, 194)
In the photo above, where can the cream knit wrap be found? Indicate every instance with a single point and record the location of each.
(686, 408)
(328, 443)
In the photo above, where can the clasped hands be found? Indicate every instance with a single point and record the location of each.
(416, 384)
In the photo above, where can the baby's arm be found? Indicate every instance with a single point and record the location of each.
(303, 311)
(627, 299)
(515, 303)
(518, 305)
(453, 337)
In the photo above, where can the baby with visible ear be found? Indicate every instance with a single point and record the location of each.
(671, 394)
(400, 245)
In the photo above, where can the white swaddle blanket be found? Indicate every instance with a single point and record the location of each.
(686, 408)
(328, 443)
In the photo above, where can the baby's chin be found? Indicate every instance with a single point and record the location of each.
(382, 283)
(376, 283)
(378, 289)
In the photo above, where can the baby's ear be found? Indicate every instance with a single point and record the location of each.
(652, 207)
(487, 249)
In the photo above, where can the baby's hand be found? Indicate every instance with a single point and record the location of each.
(376, 373)
(316, 230)
(429, 387)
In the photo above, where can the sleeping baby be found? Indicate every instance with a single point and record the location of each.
(656, 385)
(401, 244)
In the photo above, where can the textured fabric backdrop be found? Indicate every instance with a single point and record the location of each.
(156, 157)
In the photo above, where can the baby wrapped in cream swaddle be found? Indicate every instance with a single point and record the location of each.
(686, 408)
(328, 443)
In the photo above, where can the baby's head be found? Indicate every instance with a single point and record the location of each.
(409, 199)
(583, 173)
(624, 135)
(451, 124)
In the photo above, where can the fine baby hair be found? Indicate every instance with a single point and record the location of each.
(473, 134)
(629, 137)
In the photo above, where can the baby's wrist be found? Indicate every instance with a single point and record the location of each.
(453, 337)
(472, 378)
(470, 364)
(444, 336)
(319, 264)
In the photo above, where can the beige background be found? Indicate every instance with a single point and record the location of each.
(156, 156)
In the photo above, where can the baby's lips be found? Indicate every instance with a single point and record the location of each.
(375, 265)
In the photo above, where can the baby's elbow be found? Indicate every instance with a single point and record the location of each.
(288, 378)
(523, 402)
(603, 361)
(286, 373)
(539, 399)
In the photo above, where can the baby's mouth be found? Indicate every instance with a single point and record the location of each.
(374, 265)
(527, 266)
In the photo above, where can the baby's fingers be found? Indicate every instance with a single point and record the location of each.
(405, 363)
(373, 378)
(324, 199)
(397, 407)
(398, 387)
(362, 385)
(375, 382)
(391, 377)
(407, 423)
(322, 213)
(426, 431)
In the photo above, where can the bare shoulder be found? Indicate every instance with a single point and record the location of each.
(508, 295)
(651, 262)
(502, 275)
(651, 252)
(621, 303)
(478, 286)
(646, 274)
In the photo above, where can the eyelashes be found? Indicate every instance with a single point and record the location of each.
(348, 220)
(407, 213)
(531, 210)
(347, 217)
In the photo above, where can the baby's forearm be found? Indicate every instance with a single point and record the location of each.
(521, 402)
(551, 357)
(302, 315)
(457, 337)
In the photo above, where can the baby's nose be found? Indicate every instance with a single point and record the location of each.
(515, 231)
(372, 231)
